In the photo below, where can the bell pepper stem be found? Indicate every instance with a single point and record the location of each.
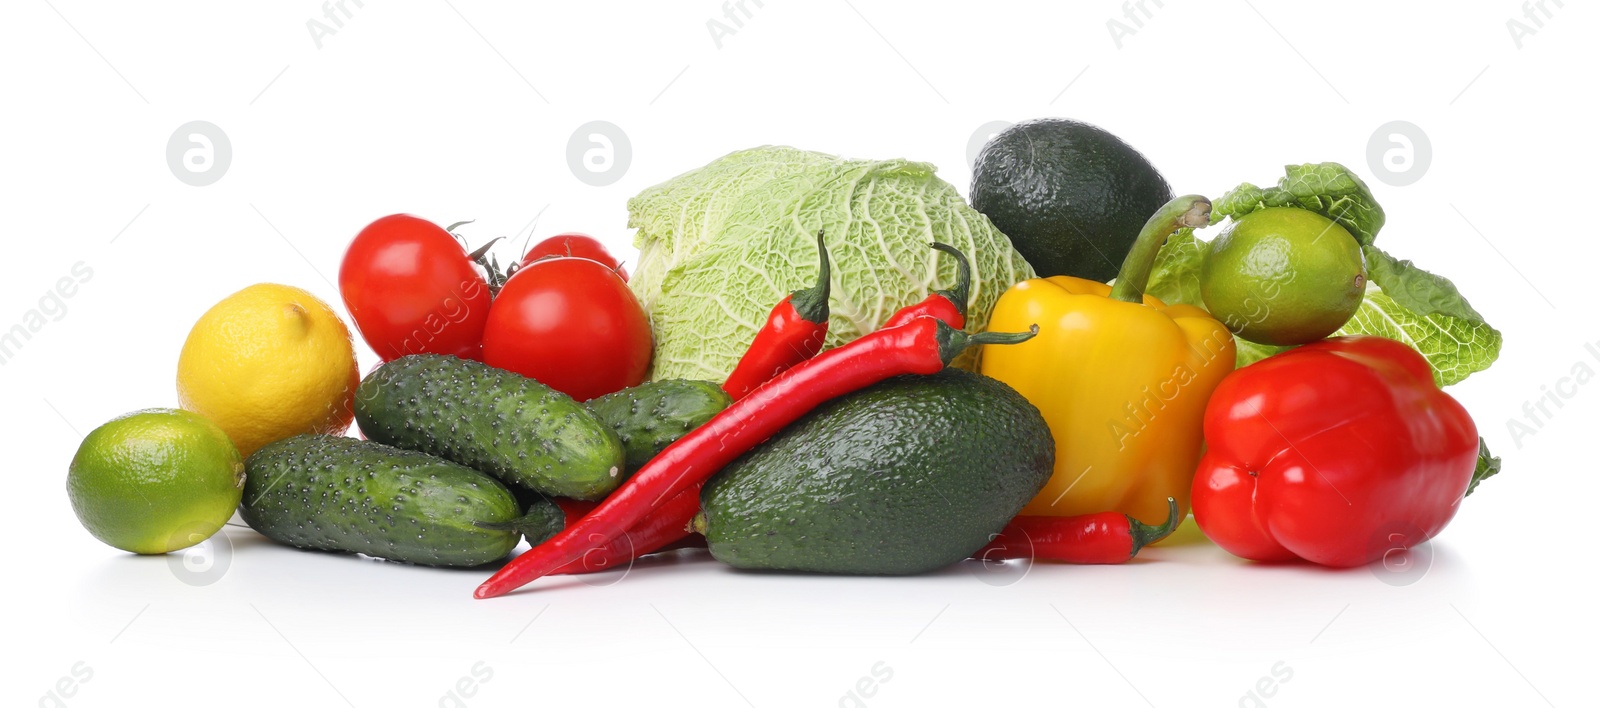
(1190, 211)
(812, 303)
(1144, 534)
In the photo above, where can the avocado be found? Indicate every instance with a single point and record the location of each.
(908, 475)
(1071, 197)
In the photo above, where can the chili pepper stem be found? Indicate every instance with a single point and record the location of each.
(1191, 211)
(949, 305)
(953, 341)
(1144, 534)
(812, 303)
(963, 288)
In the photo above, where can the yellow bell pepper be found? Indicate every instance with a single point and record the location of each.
(1121, 378)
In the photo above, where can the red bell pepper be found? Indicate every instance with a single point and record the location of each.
(1336, 452)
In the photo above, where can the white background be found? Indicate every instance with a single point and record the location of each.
(463, 109)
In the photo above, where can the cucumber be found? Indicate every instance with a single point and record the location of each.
(496, 421)
(653, 415)
(329, 493)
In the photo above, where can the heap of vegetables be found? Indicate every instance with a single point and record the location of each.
(1284, 379)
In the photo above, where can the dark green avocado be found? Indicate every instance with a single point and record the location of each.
(906, 476)
(1070, 196)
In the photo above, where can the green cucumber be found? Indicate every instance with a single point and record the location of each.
(653, 415)
(328, 493)
(489, 419)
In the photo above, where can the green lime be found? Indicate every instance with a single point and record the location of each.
(155, 480)
(1283, 276)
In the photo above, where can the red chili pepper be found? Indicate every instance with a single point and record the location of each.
(664, 526)
(573, 509)
(948, 305)
(793, 333)
(1106, 537)
(924, 346)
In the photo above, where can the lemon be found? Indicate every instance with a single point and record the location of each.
(155, 480)
(267, 363)
(1283, 276)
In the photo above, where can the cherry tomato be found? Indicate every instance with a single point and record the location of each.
(578, 245)
(571, 324)
(412, 288)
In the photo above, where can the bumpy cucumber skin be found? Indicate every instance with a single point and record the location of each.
(331, 493)
(489, 419)
(653, 415)
(906, 476)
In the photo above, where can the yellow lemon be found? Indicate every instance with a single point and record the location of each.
(267, 363)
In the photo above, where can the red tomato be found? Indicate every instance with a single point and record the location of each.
(573, 325)
(411, 289)
(578, 245)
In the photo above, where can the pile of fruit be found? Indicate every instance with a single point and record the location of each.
(1060, 371)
